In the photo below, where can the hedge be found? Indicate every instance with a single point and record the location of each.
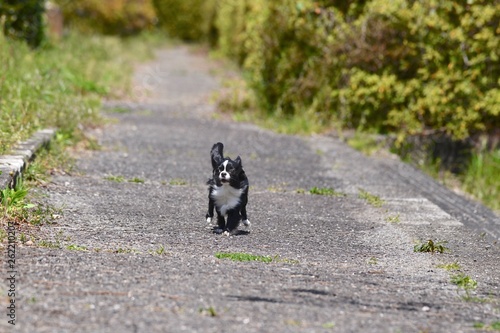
(111, 17)
(23, 20)
(406, 67)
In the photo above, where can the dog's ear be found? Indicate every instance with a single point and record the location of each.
(217, 155)
(238, 162)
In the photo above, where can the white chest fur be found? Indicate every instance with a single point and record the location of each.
(226, 197)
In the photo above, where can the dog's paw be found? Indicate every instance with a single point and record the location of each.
(209, 220)
(226, 233)
(246, 223)
(218, 231)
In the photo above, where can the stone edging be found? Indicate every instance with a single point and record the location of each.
(14, 164)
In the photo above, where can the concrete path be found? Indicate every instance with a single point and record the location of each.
(137, 256)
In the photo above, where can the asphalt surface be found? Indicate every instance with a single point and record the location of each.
(138, 256)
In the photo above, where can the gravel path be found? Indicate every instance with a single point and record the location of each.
(137, 256)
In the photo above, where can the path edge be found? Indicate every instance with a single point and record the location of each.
(13, 165)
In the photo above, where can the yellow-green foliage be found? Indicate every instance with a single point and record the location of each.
(117, 17)
(60, 85)
(409, 67)
(186, 19)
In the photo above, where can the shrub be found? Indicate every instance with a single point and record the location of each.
(114, 17)
(23, 20)
(408, 67)
(186, 19)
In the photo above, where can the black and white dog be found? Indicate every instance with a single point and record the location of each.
(227, 192)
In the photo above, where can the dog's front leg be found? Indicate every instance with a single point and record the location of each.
(210, 213)
(244, 218)
(233, 219)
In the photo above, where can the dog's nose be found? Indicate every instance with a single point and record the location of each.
(223, 174)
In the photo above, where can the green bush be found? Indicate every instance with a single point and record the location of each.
(186, 19)
(113, 17)
(23, 20)
(407, 67)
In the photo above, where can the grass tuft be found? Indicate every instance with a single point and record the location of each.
(372, 199)
(116, 179)
(467, 284)
(136, 180)
(239, 256)
(454, 266)
(326, 191)
(431, 246)
(177, 182)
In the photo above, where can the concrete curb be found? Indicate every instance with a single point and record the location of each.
(13, 165)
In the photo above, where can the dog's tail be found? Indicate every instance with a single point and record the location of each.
(217, 155)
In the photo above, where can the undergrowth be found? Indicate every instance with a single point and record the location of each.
(481, 172)
(58, 85)
(61, 85)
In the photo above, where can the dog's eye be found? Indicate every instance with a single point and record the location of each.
(229, 168)
(221, 168)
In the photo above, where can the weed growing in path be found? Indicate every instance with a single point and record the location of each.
(393, 218)
(494, 326)
(240, 256)
(210, 311)
(49, 244)
(454, 266)
(372, 199)
(431, 246)
(159, 251)
(74, 247)
(116, 179)
(136, 180)
(464, 282)
(178, 182)
(326, 191)
(18, 208)
(328, 325)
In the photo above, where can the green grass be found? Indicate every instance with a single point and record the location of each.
(431, 246)
(326, 191)
(365, 143)
(49, 244)
(372, 199)
(159, 251)
(393, 218)
(125, 250)
(121, 179)
(466, 283)
(242, 257)
(74, 247)
(61, 85)
(239, 256)
(177, 182)
(209, 311)
(494, 326)
(482, 178)
(116, 179)
(454, 266)
(18, 206)
(328, 325)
